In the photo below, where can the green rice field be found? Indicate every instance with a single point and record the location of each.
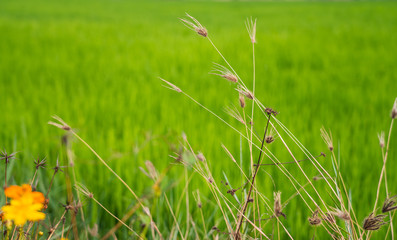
(97, 64)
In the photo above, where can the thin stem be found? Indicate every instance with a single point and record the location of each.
(56, 226)
(384, 164)
(34, 176)
(52, 181)
(5, 177)
(253, 180)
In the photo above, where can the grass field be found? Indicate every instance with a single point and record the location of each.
(96, 64)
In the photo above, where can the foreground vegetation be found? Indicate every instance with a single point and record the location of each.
(99, 71)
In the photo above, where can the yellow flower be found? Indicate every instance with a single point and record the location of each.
(25, 205)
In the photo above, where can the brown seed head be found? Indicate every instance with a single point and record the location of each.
(224, 72)
(269, 139)
(314, 220)
(171, 86)
(329, 218)
(372, 223)
(389, 204)
(7, 157)
(241, 100)
(245, 92)
(394, 110)
(200, 157)
(271, 111)
(271, 136)
(60, 123)
(277, 205)
(194, 25)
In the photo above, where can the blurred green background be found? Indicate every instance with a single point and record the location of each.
(96, 64)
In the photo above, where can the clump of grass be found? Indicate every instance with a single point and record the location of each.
(249, 202)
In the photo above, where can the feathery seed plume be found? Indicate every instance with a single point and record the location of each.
(194, 25)
(224, 72)
(251, 28)
(327, 138)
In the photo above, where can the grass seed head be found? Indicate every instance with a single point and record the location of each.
(373, 223)
(271, 136)
(315, 220)
(271, 111)
(389, 204)
(84, 190)
(381, 137)
(224, 72)
(152, 170)
(329, 218)
(194, 25)
(245, 92)
(40, 163)
(327, 138)
(277, 205)
(251, 28)
(394, 110)
(171, 86)
(341, 214)
(59, 123)
(200, 156)
(232, 111)
(7, 157)
(241, 100)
